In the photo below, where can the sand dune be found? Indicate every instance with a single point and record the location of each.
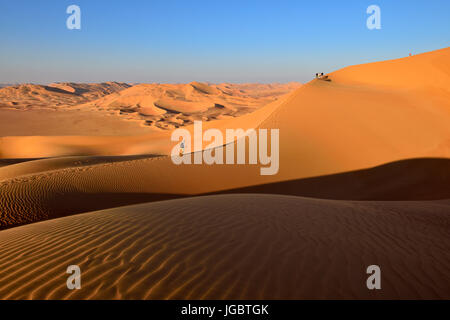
(44, 189)
(324, 124)
(19, 167)
(82, 123)
(169, 106)
(55, 95)
(326, 128)
(234, 247)
(381, 116)
(136, 120)
(106, 109)
(152, 142)
(54, 110)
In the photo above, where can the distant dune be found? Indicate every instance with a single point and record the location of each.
(169, 106)
(326, 128)
(119, 109)
(412, 179)
(56, 95)
(234, 247)
(3, 85)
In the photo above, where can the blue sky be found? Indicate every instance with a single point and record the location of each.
(216, 41)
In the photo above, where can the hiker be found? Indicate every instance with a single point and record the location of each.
(182, 148)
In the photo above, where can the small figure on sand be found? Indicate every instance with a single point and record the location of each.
(320, 76)
(182, 148)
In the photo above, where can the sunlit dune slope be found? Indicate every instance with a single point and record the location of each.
(234, 247)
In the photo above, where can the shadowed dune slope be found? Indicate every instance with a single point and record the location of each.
(234, 247)
(413, 179)
(353, 122)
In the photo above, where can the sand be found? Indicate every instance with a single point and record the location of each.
(73, 122)
(169, 106)
(377, 132)
(55, 95)
(234, 247)
(135, 120)
(50, 188)
(412, 179)
(325, 123)
(119, 109)
(326, 128)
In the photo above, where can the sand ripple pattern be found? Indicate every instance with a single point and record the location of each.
(38, 196)
(234, 246)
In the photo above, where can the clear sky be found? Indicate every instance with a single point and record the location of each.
(209, 40)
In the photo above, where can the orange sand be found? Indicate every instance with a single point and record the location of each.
(233, 247)
(383, 114)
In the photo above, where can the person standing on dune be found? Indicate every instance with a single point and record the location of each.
(182, 148)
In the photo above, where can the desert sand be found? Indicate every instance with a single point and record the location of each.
(52, 188)
(325, 128)
(233, 247)
(377, 132)
(55, 95)
(119, 109)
